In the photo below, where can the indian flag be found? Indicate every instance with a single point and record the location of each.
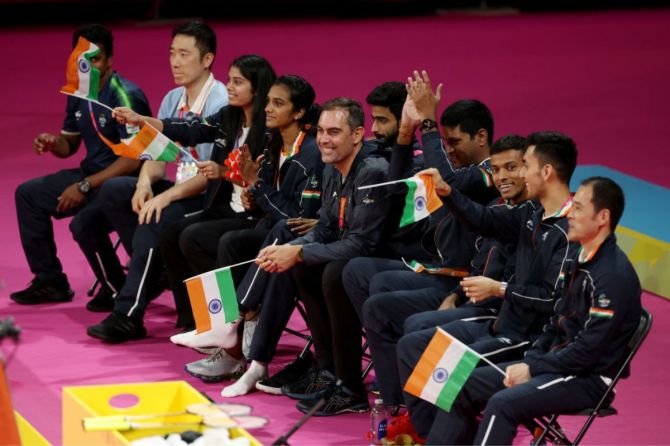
(311, 194)
(442, 370)
(421, 201)
(83, 79)
(601, 312)
(418, 267)
(213, 299)
(150, 144)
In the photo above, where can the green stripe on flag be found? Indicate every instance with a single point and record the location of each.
(456, 380)
(407, 217)
(121, 92)
(169, 153)
(228, 296)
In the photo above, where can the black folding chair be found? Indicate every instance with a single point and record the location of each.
(96, 282)
(548, 429)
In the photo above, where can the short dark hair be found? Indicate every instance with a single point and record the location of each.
(98, 34)
(470, 115)
(607, 195)
(205, 38)
(509, 142)
(389, 94)
(356, 116)
(557, 149)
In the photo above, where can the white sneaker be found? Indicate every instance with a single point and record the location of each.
(218, 367)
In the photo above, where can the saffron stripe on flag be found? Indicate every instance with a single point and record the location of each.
(196, 294)
(429, 359)
(226, 287)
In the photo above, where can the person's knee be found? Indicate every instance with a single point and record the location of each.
(227, 243)
(26, 192)
(373, 310)
(188, 239)
(415, 322)
(115, 193)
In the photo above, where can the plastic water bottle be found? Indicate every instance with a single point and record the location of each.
(378, 422)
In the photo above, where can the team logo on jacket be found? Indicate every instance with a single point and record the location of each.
(603, 301)
(529, 224)
(368, 200)
(440, 375)
(77, 115)
(314, 182)
(215, 306)
(102, 119)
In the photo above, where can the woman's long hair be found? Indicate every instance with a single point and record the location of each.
(259, 72)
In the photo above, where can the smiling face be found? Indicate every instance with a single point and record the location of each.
(532, 173)
(279, 111)
(337, 141)
(506, 168)
(240, 90)
(185, 60)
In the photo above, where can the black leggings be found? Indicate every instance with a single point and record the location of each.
(335, 327)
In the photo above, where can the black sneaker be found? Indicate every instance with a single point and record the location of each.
(44, 291)
(341, 401)
(102, 302)
(314, 384)
(289, 374)
(117, 328)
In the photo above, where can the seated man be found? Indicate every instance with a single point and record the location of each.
(494, 260)
(570, 366)
(540, 234)
(192, 53)
(350, 224)
(141, 208)
(75, 191)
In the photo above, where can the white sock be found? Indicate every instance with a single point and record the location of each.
(256, 372)
(223, 336)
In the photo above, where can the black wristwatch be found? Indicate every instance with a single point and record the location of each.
(428, 125)
(84, 186)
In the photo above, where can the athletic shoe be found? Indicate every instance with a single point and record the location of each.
(102, 302)
(219, 366)
(341, 401)
(289, 374)
(117, 328)
(315, 383)
(43, 292)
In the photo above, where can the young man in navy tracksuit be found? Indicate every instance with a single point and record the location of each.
(580, 350)
(540, 233)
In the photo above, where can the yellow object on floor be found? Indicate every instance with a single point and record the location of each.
(29, 435)
(129, 399)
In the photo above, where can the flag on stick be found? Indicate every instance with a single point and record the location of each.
(443, 370)
(421, 201)
(83, 79)
(150, 144)
(213, 299)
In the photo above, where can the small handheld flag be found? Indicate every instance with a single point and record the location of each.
(442, 370)
(213, 299)
(83, 79)
(421, 201)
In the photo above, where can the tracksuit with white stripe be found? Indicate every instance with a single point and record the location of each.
(571, 364)
(542, 250)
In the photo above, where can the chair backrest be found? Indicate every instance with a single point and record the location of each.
(633, 346)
